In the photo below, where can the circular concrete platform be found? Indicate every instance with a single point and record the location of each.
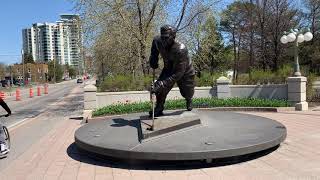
(221, 135)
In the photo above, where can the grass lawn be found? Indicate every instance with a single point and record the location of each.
(126, 108)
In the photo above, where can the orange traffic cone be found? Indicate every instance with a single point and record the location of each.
(2, 95)
(38, 91)
(31, 92)
(46, 88)
(18, 96)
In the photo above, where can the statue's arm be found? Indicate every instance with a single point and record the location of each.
(154, 56)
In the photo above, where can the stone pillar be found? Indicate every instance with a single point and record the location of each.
(90, 101)
(297, 92)
(223, 88)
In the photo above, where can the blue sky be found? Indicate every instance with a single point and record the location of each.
(18, 14)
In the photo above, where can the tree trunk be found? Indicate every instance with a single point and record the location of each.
(238, 57)
(143, 58)
(251, 39)
(234, 55)
(211, 64)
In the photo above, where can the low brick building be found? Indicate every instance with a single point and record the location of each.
(32, 72)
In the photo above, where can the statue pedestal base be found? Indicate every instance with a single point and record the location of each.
(222, 134)
(173, 122)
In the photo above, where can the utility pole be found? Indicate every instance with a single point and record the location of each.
(22, 60)
(11, 74)
(54, 70)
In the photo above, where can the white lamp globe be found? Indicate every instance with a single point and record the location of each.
(291, 37)
(284, 39)
(300, 38)
(308, 36)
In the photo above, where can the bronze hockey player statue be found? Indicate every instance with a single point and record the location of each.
(177, 68)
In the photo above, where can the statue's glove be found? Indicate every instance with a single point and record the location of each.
(158, 86)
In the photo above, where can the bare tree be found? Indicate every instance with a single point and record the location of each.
(313, 15)
(138, 21)
(310, 54)
(283, 17)
(234, 21)
(261, 12)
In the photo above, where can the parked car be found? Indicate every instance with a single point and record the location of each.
(79, 80)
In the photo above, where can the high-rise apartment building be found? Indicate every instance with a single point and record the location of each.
(60, 41)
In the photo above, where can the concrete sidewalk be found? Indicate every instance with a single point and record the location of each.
(56, 157)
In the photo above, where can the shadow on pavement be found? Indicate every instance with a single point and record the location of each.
(90, 158)
(79, 118)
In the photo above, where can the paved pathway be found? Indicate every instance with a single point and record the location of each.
(55, 157)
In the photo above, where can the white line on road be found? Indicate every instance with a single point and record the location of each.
(26, 120)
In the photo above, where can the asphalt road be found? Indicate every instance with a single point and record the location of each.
(31, 107)
(34, 118)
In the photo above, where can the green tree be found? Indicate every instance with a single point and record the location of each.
(121, 31)
(70, 70)
(55, 71)
(234, 22)
(2, 71)
(211, 54)
(309, 54)
(256, 26)
(28, 58)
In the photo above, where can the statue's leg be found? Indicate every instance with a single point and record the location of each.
(161, 98)
(186, 85)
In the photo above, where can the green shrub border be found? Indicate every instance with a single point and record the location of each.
(126, 108)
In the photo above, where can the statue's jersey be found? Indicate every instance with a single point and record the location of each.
(177, 63)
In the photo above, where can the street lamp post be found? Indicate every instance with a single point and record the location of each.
(54, 70)
(297, 84)
(297, 36)
(22, 59)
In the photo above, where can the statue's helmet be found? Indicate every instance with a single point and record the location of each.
(168, 30)
(168, 34)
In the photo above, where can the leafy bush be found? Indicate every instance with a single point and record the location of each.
(261, 77)
(311, 93)
(125, 83)
(129, 83)
(283, 73)
(207, 79)
(278, 77)
(258, 76)
(197, 102)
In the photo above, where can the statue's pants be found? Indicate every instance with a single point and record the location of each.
(186, 86)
